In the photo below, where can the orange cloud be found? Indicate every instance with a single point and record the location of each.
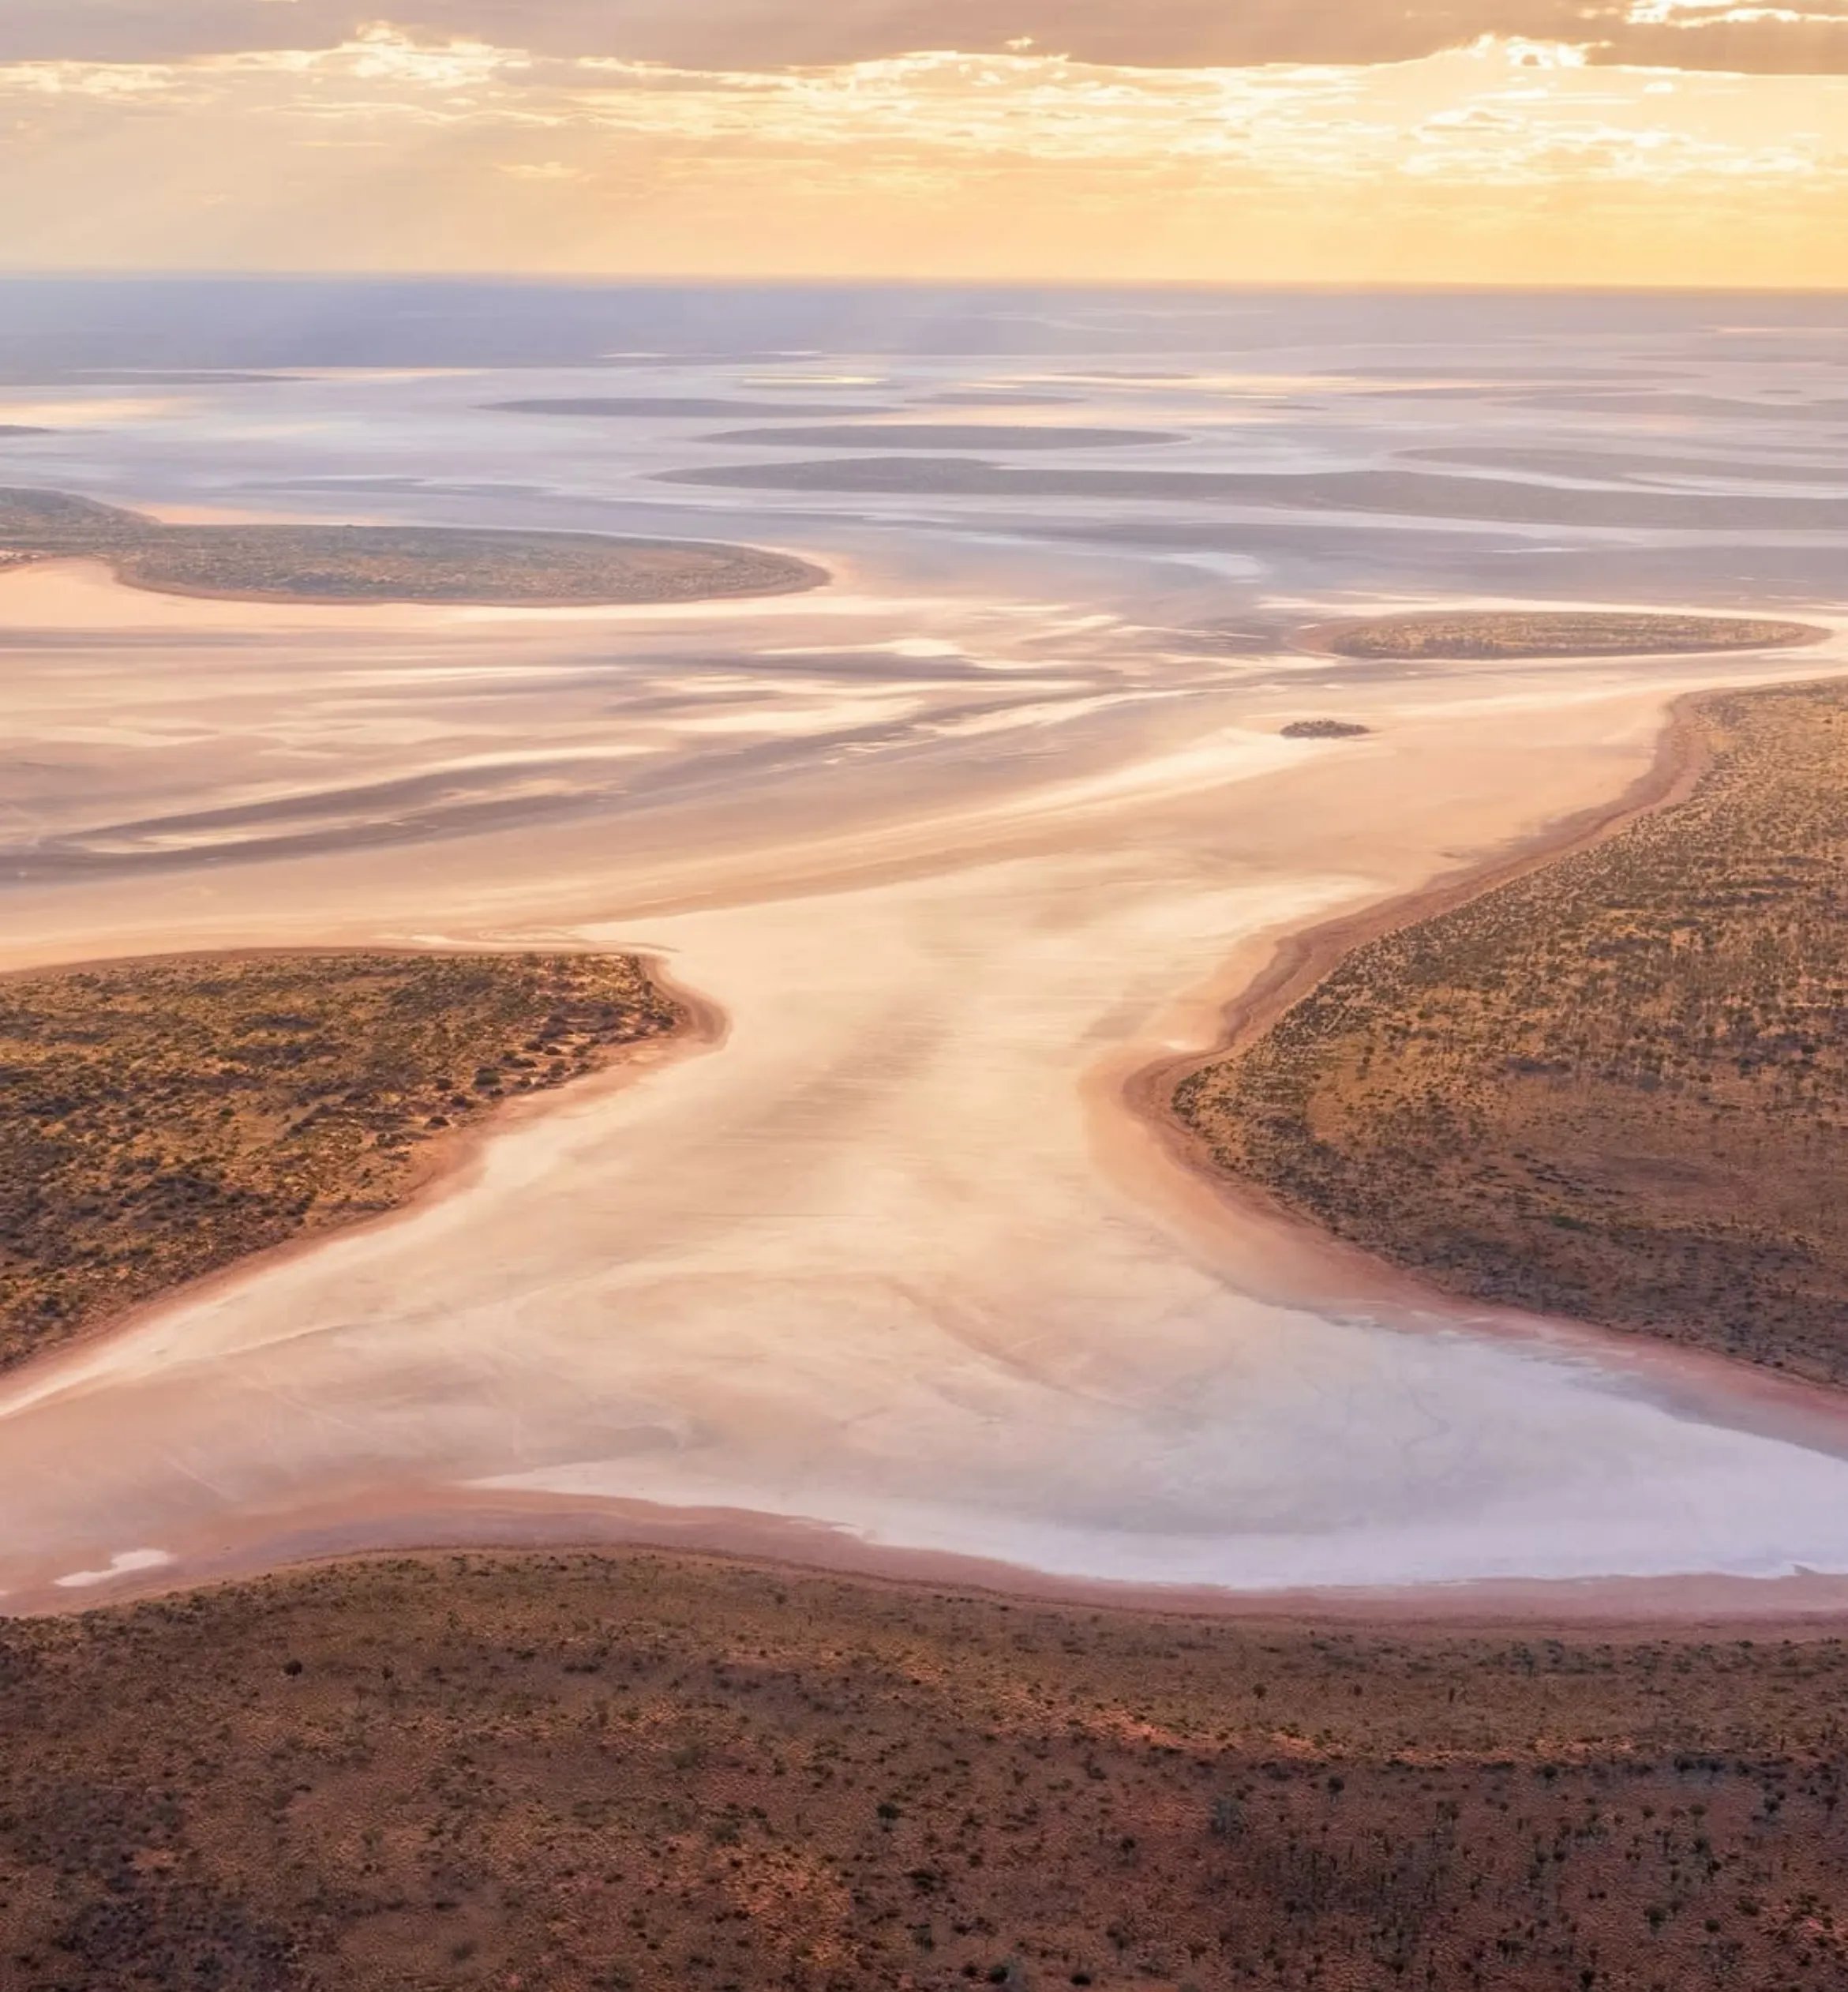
(1511, 159)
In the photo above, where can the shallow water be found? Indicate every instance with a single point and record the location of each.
(956, 845)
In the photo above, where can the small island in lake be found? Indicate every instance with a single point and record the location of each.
(1494, 635)
(384, 564)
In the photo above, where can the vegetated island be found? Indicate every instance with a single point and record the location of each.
(380, 564)
(1493, 635)
(669, 1774)
(1325, 730)
(1615, 1088)
(161, 1120)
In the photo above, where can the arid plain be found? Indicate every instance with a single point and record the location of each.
(889, 1266)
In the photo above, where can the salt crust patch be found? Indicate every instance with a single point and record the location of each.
(124, 1564)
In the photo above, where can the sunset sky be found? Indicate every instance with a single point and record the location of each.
(1652, 141)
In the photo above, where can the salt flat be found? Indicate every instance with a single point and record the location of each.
(954, 849)
(873, 1260)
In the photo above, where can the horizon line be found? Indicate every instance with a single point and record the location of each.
(635, 278)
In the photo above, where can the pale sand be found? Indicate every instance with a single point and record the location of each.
(893, 1271)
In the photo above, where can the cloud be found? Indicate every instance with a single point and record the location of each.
(1508, 159)
(1807, 38)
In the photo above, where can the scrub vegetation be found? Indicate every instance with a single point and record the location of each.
(641, 1773)
(1615, 1089)
(162, 1120)
(1530, 633)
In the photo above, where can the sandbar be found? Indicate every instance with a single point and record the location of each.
(1408, 494)
(948, 435)
(631, 407)
(1483, 634)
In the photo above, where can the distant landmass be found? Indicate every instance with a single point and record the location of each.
(1514, 634)
(1633, 465)
(616, 407)
(380, 564)
(995, 398)
(944, 435)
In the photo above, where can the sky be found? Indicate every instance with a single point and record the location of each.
(1262, 141)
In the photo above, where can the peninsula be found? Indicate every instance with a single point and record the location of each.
(162, 1120)
(1614, 1089)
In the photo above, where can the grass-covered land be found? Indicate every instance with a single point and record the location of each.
(1615, 1089)
(380, 564)
(1532, 633)
(162, 1120)
(644, 1774)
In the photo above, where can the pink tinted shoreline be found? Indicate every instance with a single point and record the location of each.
(462, 1522)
